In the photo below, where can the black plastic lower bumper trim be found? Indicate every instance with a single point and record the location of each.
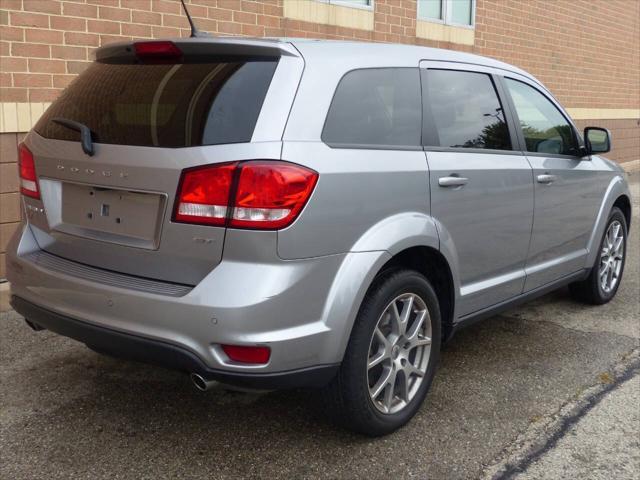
(142, 349)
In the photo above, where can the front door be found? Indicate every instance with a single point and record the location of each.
(481, 185)
(567, 189)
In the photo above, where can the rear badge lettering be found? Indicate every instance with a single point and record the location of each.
(91, 171)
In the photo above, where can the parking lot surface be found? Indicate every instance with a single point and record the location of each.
(510, 395)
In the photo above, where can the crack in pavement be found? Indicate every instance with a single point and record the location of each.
(536, 442)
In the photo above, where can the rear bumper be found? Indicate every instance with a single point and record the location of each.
(302, 310)
(134, 347)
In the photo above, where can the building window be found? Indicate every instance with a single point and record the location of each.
(450, 12)
(350, 3)
(356, 14)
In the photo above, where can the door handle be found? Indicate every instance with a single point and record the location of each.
(546, 178)
(452, 181)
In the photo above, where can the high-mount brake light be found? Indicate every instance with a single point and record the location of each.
(160, 50)
(28, 179)
(255, 194)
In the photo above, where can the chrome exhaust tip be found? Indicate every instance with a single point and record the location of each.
(201, 383)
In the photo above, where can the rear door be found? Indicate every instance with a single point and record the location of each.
(481, 185)
(568, 190)
(151, 119)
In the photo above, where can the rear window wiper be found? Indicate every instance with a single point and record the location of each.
(85, 133)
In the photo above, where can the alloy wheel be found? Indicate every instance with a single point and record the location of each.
(399, 353)
(611, 257)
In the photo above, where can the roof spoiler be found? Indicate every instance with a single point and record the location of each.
(204, 48)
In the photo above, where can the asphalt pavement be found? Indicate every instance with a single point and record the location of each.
(548, 390)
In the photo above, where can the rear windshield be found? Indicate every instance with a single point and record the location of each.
(163, 105)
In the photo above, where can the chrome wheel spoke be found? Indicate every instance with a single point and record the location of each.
(381, 337)
(410, 369)
(395, 319)
(617, 245)
(380, 385)
(603, 268)
(407, 309)
(389, 392)
(609, 277)
(610, 238)
(403, 387)
(420, 342)
(379, 357)
(617, 268)
(616, 231)
(416, 326)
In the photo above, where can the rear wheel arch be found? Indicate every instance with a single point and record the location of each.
(433, 265)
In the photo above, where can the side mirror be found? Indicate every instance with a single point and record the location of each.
(597, 140)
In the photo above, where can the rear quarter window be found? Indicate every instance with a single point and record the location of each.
(164, 105)
(375, 107)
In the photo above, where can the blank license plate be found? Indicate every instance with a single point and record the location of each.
(119, 214)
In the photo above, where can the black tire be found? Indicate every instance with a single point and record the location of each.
(590, 290)
(347, 397)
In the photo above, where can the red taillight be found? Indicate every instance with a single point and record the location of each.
(244, 354)
(267, 195)
(271, 194)
(28, 179)
(162, 50)
(203, 196)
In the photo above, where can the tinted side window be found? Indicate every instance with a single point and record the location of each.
(545, 129)
(466, 111)
(379, 106)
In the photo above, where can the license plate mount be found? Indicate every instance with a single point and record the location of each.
(112, 215)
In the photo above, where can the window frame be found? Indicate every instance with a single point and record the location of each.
(516, 119)
(446, 15)
(367, 146)
(428, 126)
(344, 3)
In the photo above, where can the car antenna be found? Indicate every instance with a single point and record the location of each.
(194, 30)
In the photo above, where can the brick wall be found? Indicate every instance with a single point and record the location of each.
(9, 196)
(625, 134)
(585, 51)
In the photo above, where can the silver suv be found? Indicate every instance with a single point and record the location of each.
(287, 213)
